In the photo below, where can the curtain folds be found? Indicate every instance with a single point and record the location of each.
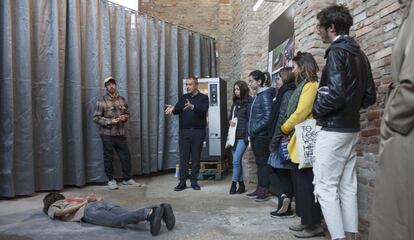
(54, 57)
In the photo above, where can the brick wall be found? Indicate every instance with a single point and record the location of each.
(242, 41)
(209, 17)
(375, 27)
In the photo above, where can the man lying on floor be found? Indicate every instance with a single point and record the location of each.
(96, 211)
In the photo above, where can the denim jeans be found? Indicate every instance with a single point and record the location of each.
(238, 151)
(105, 213)
(118, 143)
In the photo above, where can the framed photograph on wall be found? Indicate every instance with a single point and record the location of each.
(281, 43)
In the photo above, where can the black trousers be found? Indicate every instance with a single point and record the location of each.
(281, 181)
(191, 144)
(306, 207)
(118, 143)
(260, 147)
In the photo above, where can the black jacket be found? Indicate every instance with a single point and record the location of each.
(279, 111)
(347, 75)
(196, 118)
(242, 112)
(260, 113)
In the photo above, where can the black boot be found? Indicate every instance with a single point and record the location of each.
(168, 215)
(181, 186)
(233, 188)
(242, 188)
(155, 220)
(194, 185)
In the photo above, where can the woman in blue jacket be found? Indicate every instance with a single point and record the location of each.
(258, 129)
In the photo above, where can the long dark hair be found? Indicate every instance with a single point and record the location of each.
(244, 91)
(50, 198)
(264, 77)
(308, 65)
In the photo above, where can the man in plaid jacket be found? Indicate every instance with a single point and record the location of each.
(112, 114)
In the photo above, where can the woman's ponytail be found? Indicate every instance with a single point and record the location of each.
(264, 77)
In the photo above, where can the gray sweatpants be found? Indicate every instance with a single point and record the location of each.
(105, 213)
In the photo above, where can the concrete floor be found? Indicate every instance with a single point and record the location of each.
(207, 214)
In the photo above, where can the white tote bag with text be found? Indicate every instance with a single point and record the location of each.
(231, 135)
(306, 133)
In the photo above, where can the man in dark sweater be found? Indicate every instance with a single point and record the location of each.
(192, 108)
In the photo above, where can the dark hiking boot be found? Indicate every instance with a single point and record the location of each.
(168, 215)
(155, 220)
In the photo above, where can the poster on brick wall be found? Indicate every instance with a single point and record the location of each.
(281, 43)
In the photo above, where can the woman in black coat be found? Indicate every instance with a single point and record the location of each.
(239, 110)
(280, 177)
(259, 128)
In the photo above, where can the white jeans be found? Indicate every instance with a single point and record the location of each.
(335, 181)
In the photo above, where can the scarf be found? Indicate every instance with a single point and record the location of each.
(294, 100)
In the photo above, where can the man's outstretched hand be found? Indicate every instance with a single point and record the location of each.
(168, 109)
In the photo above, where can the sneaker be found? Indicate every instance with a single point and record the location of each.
(287, 214)
(168, 216)
(131, 182)
(283, 204)
(298, 227)
(181, 186)
(310, 232)
(112, 184)
(155, 220)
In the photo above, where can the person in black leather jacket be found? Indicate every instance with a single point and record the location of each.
(258, 128)
(346, 86)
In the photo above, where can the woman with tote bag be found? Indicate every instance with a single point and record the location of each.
(238, 120)
(299, 109)
(280, 178)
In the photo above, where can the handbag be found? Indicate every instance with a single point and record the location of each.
(282, 149)
(306, 133)
(231, 134)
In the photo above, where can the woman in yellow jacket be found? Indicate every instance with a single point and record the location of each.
(299, 109)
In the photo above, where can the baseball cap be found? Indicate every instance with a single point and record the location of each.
(109, 79)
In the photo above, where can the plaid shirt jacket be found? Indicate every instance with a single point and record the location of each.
(108, 108)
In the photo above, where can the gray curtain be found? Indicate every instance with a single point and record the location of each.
(54, 56)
